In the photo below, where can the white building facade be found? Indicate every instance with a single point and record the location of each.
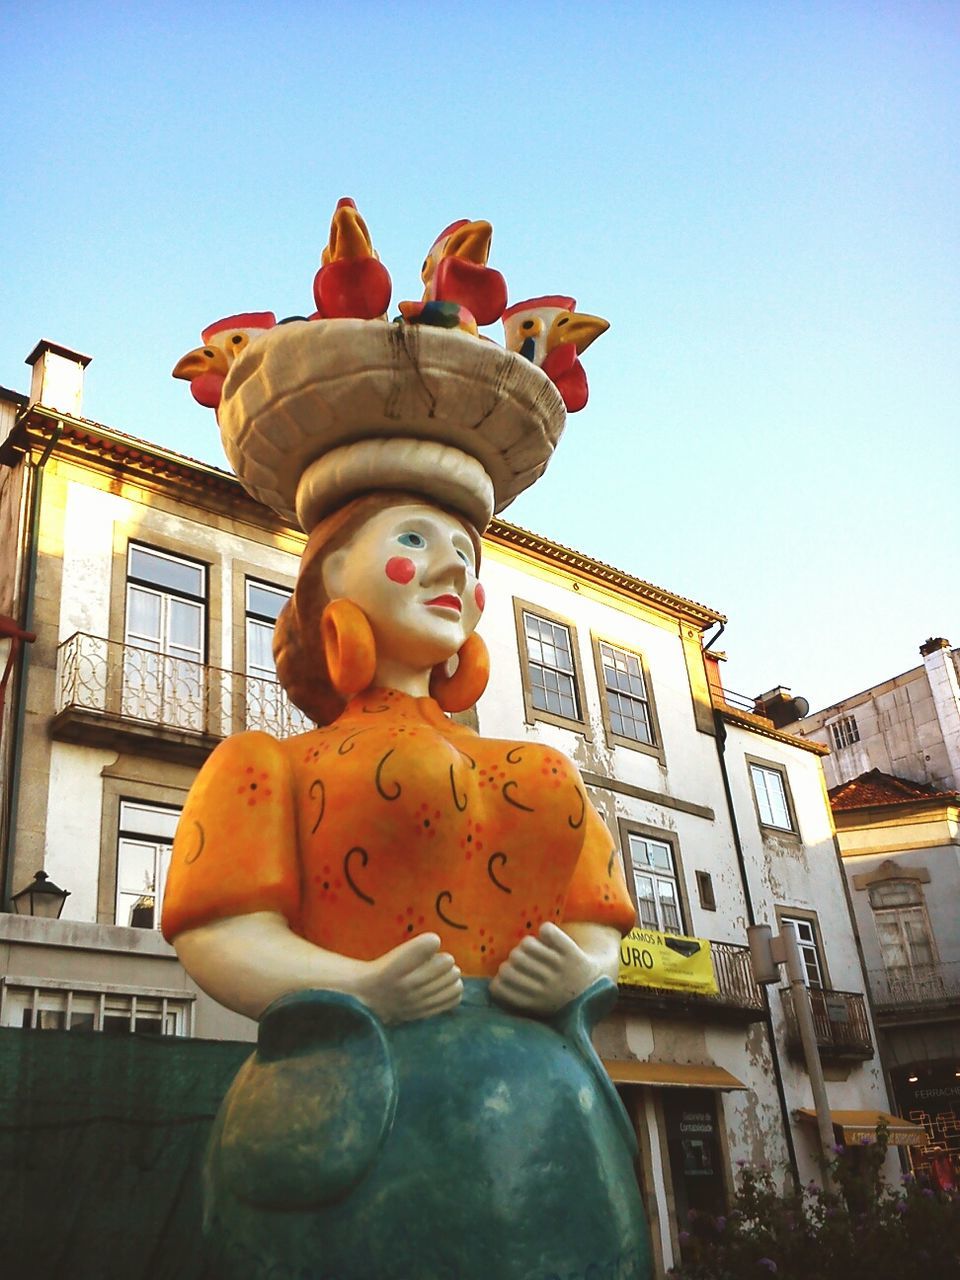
(151, 582)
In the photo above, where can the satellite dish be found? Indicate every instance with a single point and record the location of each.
(801, 706)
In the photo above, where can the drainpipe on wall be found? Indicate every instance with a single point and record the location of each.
(27, 594)
(878, 1036)
(10, 630)
(715, 637)
(751, 920)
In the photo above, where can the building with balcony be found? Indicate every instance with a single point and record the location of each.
(900, 842)
(151, 583)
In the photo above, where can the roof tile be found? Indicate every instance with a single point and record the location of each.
(879, 788)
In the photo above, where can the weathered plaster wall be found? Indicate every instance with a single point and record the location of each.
(803, 872)
(73, 824)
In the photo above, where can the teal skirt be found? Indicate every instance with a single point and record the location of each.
(476, 1145)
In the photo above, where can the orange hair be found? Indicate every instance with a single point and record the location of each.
(298, 648)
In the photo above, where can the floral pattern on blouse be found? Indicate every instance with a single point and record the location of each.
(395, 821)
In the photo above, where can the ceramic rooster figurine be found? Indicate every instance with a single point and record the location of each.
(551, 333)
(206, 367)
(455, 270)
(352, 282)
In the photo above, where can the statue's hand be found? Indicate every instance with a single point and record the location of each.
(542, 974)
(414, 980)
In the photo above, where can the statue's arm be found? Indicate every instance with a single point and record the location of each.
(246, 962)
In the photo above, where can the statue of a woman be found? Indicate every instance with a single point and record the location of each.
(426, 922)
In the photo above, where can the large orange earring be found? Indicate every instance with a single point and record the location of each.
(348, 647)
(460, 691)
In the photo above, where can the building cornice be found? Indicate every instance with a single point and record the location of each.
(108, 450)
(596, 571)
(766, 729)
(114, 450)
(935, 809)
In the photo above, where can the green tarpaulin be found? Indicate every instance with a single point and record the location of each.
(101, 1145)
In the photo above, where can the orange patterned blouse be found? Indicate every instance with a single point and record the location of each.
(390, 822)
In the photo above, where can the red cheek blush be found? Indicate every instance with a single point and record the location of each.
(400, 569)
(480, 596)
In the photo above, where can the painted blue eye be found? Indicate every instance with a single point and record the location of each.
(415, 540)
(465, 558)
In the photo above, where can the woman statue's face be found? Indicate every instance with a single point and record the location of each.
(412, 571)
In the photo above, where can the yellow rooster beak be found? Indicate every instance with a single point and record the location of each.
(200, 360)
(349, 238)
(470, 243)
(576, 327)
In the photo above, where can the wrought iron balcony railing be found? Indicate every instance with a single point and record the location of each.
(736, 986)
(734, 974)
(132, 683)
(918, 986)
(840, 1021)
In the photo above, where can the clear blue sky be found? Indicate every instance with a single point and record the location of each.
(762, 198)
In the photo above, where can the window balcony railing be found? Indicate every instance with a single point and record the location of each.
(919, 986)
(132, 685)
(840, 1022)
(737, 990)
(734, 974)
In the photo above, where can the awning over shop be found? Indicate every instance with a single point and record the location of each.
(682, 1075)
(853, 1126)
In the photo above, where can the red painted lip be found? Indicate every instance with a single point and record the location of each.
(446, 602)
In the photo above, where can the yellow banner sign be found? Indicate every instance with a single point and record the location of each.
(651, 959)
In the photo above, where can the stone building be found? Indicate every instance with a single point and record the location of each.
(151, 582)
(895, 774)
(907, 726)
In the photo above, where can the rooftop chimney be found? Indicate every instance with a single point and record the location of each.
(780, 706)
(945, 690)
(57, 377)
(932, 644)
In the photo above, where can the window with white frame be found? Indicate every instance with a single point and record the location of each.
(773, 803)
(164, 638)
(263, 605)
(144, 843)
(625, 689)
(903, 928)
(267, 706)
(654, 873)
(806, 933)
(551, 667)
(61, 1007)
(844, 732)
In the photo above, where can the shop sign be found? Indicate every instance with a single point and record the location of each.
(652, 959)
(696, 1144)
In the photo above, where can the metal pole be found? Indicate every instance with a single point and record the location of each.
(800, 996)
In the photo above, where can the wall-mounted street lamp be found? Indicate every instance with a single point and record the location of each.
(40, 898)
(767, 954)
